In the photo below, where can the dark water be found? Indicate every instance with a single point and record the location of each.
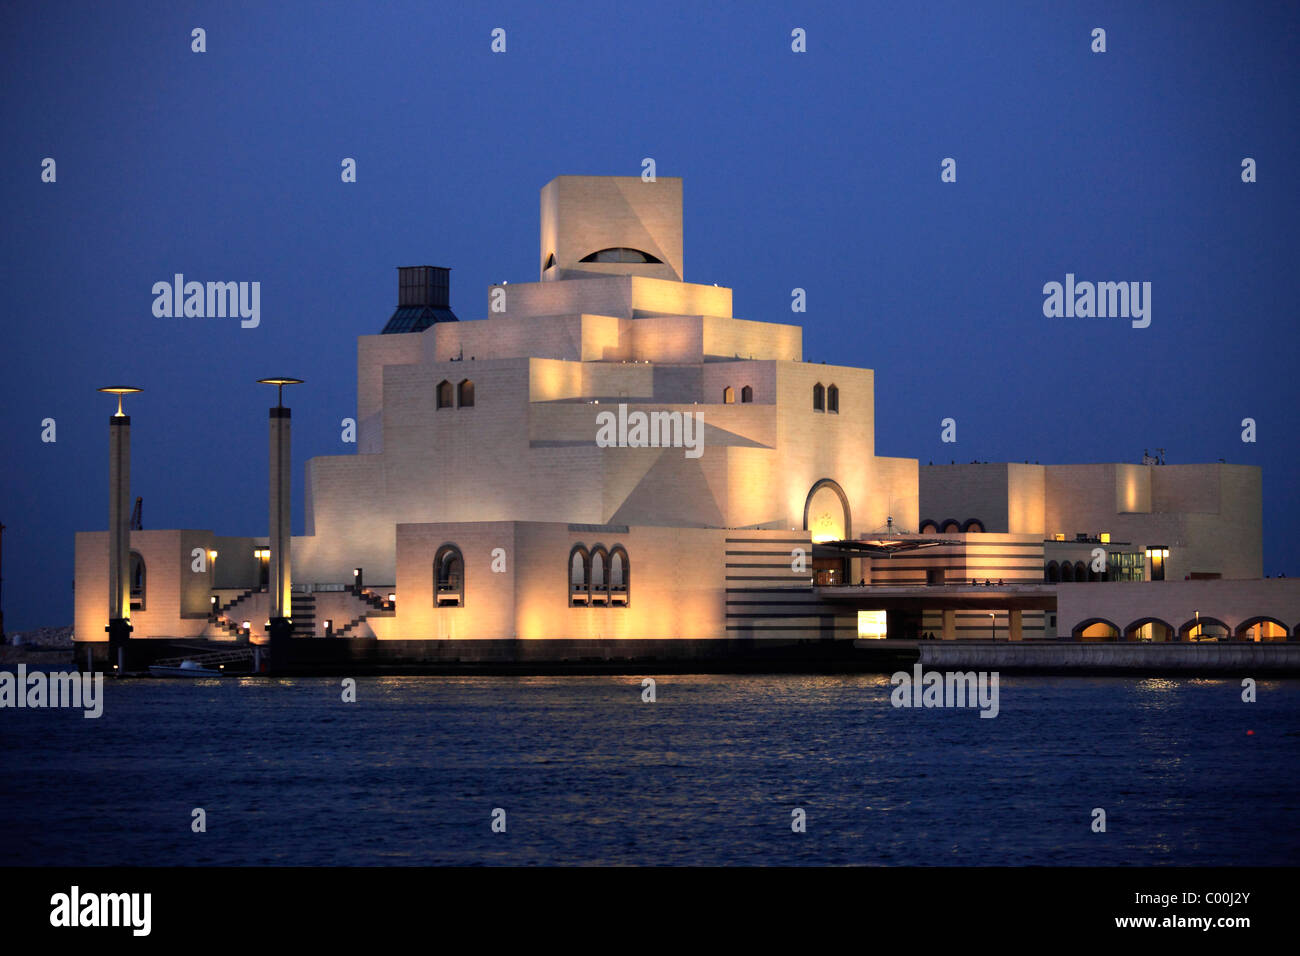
(709, 774)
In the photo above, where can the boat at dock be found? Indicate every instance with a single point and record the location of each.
(186, 668)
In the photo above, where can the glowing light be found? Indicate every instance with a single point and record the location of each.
(871, 625)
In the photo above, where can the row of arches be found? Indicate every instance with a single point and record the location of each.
(1057, 571)
(952, 526)
(826, 398)
(1260, 628)
(598, 576)
(746, 395)
(460, 395)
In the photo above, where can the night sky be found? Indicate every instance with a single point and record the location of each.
(818, 170)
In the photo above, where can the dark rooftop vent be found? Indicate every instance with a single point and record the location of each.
(423, 298)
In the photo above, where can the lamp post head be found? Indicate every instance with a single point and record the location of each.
(279, 383)
(119, 391)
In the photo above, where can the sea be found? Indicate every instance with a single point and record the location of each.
(714, 770)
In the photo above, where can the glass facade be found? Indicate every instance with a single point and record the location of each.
(1126, 566)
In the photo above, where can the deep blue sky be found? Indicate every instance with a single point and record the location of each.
(818, 170)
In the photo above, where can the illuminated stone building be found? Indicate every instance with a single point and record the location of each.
(611, 454)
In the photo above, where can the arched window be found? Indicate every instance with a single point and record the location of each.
(929, 527)
(465, 394)
(1080, 571)
(747, 394)
(599, 581)
(618, 576)
(819, 398)
(578, 577)
(620, 254)
(1067, 571)
(1052, 572)
(728, 396)
(448, 577)
(445, 395)
(833, 399)
(973, 525)
(951, 526)
(137, 581)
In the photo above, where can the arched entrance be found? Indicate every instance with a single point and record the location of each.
(1204, 628)
(1261, 628)
(826, 512)
(1149, 629)
(1095, 629)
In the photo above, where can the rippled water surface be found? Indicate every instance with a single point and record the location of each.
(708, 774)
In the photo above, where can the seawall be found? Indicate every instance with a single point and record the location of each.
(1247, 659)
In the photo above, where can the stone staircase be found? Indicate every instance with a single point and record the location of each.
(379, 607)
(219, 619)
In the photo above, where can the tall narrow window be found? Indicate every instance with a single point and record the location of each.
(599, 582)
(746, 394)
(618, 576)
(819, 398)
(446, 397)
(465, 394)
(448, 577)
(728, 396)
(578, 593)
(137, 581)
(833, 399)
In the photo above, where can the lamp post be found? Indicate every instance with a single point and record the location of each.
(280, 627)
(119, 532)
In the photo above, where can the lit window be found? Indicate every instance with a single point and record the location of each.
(137, 581)
(448, 577)
(728, 395)
(871, 625)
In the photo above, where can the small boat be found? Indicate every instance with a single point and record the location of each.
(186, 669)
